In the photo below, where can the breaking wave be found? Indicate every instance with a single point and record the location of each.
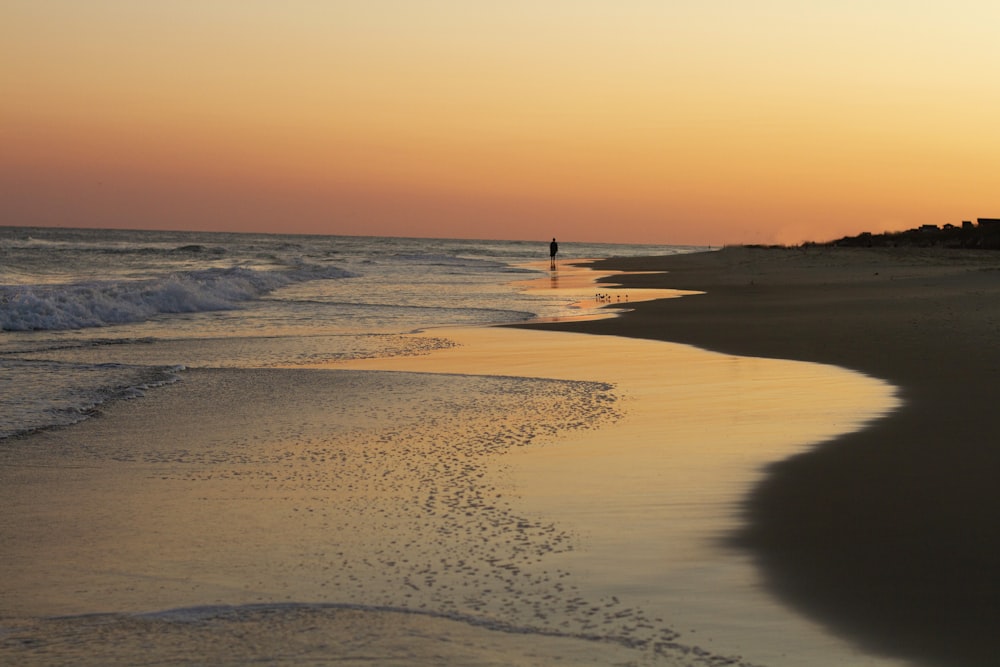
(104, 303)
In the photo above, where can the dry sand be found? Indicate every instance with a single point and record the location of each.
(888, 535)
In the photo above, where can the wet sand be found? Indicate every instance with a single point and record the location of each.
(888, 535)
(654, 495)
(266, 514)
(476, 512)
(527, 497)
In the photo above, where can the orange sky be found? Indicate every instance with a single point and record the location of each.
(708, 122)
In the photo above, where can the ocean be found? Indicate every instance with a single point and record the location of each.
(90, 316)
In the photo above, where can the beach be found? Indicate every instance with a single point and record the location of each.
(887, 535)
(461, 501)
(583, 494)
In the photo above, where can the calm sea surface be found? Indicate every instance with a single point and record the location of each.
(93, 315)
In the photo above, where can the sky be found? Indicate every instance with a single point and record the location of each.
(702, 122)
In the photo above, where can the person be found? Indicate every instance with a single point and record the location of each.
(553, 249)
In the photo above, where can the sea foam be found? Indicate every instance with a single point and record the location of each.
(103, 303)
(52, 393)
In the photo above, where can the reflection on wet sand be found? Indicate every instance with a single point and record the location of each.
(653, 495)
(525, 497)
(578, 283)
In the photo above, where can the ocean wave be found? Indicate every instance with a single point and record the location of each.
(329, 633)
(77, 245)
(104, 303)
(445, 260)
(51, 394)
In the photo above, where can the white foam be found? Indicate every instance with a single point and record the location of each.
(103, 303)
(59, 394)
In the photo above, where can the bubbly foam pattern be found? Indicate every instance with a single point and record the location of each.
(385, 495)
(103, 303)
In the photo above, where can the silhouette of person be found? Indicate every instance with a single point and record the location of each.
(553, 249)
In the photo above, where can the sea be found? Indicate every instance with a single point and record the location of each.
(90, 316)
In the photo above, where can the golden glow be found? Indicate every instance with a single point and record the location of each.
(638, 121)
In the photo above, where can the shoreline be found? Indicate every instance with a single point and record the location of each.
(296, 485)
(302, 507)
(886, 536)
(654, 496)
(474, 486)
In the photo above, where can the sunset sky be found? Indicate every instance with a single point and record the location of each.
(662, 121)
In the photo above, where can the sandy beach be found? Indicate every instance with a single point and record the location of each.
(887, 535)
(539, 497)
(464, 508)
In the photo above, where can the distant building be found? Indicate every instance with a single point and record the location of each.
(988, 222)
(932, 228)
(967, 224)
